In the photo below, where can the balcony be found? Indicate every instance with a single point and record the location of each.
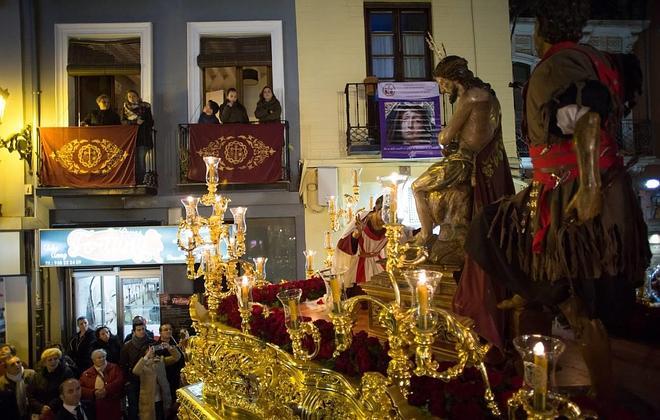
(228, 141)
(86, 163)
(362, 118)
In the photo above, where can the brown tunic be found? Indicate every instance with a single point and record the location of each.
(601, 261)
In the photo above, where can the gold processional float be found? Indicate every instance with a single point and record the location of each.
(233, 374)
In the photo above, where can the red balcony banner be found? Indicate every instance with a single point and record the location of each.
(249, 153)
(88, 157)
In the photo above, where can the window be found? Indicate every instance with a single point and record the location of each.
(94, 34)
(396, 45)
(198, 31)
(243, 63)
(102, 67)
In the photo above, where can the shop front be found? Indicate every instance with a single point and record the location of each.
(111, 275)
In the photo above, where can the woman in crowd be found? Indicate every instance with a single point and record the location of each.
(80, 346)
(44, 392)
(232, 111)
(155, 394)
(138, 112)
(103, 384)
(104, 115)
(268, 107)
(108, 342)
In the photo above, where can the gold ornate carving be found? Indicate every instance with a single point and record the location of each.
(239, 152)
(245, 377)
(94, 156)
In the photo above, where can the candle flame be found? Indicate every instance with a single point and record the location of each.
(245, 281)
(539, 349)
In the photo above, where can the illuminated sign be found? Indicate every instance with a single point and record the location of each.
(123, 246)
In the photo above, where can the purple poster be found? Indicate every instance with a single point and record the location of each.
(409, 119)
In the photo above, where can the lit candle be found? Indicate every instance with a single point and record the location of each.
(293, 311)
(331, 204)
(327, 240)
(309, 256)
(355, 178)
(423, 295)
(245, 290)
(335, 289)
(371, 202)
(260, 265)
(540, 384)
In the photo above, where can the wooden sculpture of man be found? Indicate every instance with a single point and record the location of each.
(575, 239)
(475, 169)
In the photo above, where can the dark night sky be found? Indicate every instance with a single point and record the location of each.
(600, 9)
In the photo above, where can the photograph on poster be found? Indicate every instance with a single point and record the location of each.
(410, 123)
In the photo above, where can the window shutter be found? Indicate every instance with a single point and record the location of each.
(99, 57)
(233, 52)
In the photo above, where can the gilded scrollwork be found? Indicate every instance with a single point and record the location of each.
(96, 156)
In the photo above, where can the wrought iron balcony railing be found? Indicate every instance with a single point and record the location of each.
(362, 120)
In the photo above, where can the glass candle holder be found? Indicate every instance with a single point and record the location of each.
(212, 169)
(335, 292)
(190, 203)
(290, 299)
(390, 186)
(239, 218)
(260, 267)
(244, 291)
(540, 354)
(309, 262)
(423, 283)
(327, 240)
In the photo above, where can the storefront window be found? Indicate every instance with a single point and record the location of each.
(274, 238)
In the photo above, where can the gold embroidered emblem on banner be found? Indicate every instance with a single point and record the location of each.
(239, 152)
(98, 157)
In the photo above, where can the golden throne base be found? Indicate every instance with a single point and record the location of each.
(237, 376)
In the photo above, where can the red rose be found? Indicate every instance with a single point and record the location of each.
(326, 349)
(495, 378)
(363, 360)
(466, 410)
(437, 407)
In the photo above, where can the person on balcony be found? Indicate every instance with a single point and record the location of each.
(233, 111)
(104, 115)
(138, 112)
(268, 108)
(208, 115)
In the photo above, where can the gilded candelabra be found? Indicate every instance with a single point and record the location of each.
(416, 327)
(213, 248)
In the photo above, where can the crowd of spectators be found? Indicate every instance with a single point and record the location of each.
(98, 377)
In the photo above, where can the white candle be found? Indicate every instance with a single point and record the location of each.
(540, 385)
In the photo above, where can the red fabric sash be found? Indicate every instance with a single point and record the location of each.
(562, 157)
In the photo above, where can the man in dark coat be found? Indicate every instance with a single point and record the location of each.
(80, 346)
(208, 115)
(14, 402)
(130, 354)
(104, 115)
